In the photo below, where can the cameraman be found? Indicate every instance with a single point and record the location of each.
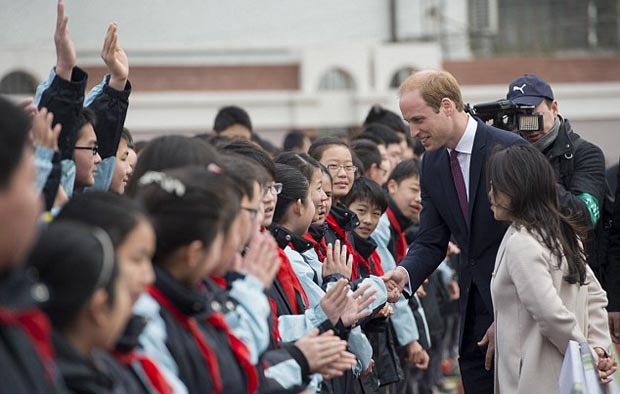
(580, 171)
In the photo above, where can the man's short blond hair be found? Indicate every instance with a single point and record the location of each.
(434, 86)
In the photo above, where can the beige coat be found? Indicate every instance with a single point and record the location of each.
(537, 313)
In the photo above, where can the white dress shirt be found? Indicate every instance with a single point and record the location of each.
(464, 148)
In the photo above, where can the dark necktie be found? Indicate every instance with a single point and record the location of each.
(459, 183)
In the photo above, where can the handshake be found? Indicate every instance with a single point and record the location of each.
(395, 282)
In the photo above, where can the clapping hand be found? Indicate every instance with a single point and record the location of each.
(336, 261)
(42, 132)
(261, 259)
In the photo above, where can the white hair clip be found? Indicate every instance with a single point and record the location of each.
(167, 183)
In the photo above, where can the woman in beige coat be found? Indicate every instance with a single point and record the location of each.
(544, 294)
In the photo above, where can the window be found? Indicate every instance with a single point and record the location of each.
(336, 79)
(400, 75)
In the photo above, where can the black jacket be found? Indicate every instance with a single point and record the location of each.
(193, 370)
(611, 280)
(23, 369)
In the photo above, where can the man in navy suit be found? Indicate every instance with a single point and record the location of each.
(455, 205)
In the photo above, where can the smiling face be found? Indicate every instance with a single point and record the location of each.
(318, 196)
(368, 215)
(122, 168)
(85, 161)
(338, 155)
(433, 129)
(406, 196)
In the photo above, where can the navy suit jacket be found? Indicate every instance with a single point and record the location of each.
(441, 218)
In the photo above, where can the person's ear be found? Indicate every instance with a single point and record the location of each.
(555, 107)
(298, 207)
(194, 254)
(98, 307)
(448, 106)
(392, 186)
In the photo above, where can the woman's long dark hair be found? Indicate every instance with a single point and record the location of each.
(523, 174)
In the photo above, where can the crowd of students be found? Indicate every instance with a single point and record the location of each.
(209, 264)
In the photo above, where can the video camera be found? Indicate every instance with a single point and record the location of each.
(506, 115)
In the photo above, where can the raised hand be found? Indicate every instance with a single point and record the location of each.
(321, 350)
(395, 282)
(261, 259)
(28, 106)
(115, 59)
(336, 261)
(42, 132)
(356, 305)
(335, 301)
(65, 51)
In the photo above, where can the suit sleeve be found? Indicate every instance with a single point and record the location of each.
(528, 267)
(612, 274)
(430, 246)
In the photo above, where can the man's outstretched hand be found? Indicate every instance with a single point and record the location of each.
(395, 282)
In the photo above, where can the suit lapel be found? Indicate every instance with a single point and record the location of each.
(478, 158)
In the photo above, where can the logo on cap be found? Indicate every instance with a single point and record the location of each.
(519, 88)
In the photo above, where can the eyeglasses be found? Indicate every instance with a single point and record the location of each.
(275, 189)
(336, 168)
(95, 148)
(252, 211)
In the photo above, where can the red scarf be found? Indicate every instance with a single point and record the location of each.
(275, 332)
(190, 324)
(241, 352)
(220, 281)
(401, 242)
(331, 222)
(372, 264)
(290, 283)
(157, 380)
(319, 247)
(37, 327)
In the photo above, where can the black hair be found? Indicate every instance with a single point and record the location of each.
(302, 161)
(250, 151)
(126, 135)
(367, 152)
(73, 260)
(188, 204)
(293, 140)
(215, 140)
(86, 116)
(294, 187)
(171, 151)
(365, 189)
(405, 169)
(378, 114)
(368, 137)
(265, 144)
(359, 164)
(14, 137)
(387, 135)
(416, 146)
(116, 214)
(140, 145)
(524, 174)
(230, 116)
(244, 173)
(321, 144)
(325, 171)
